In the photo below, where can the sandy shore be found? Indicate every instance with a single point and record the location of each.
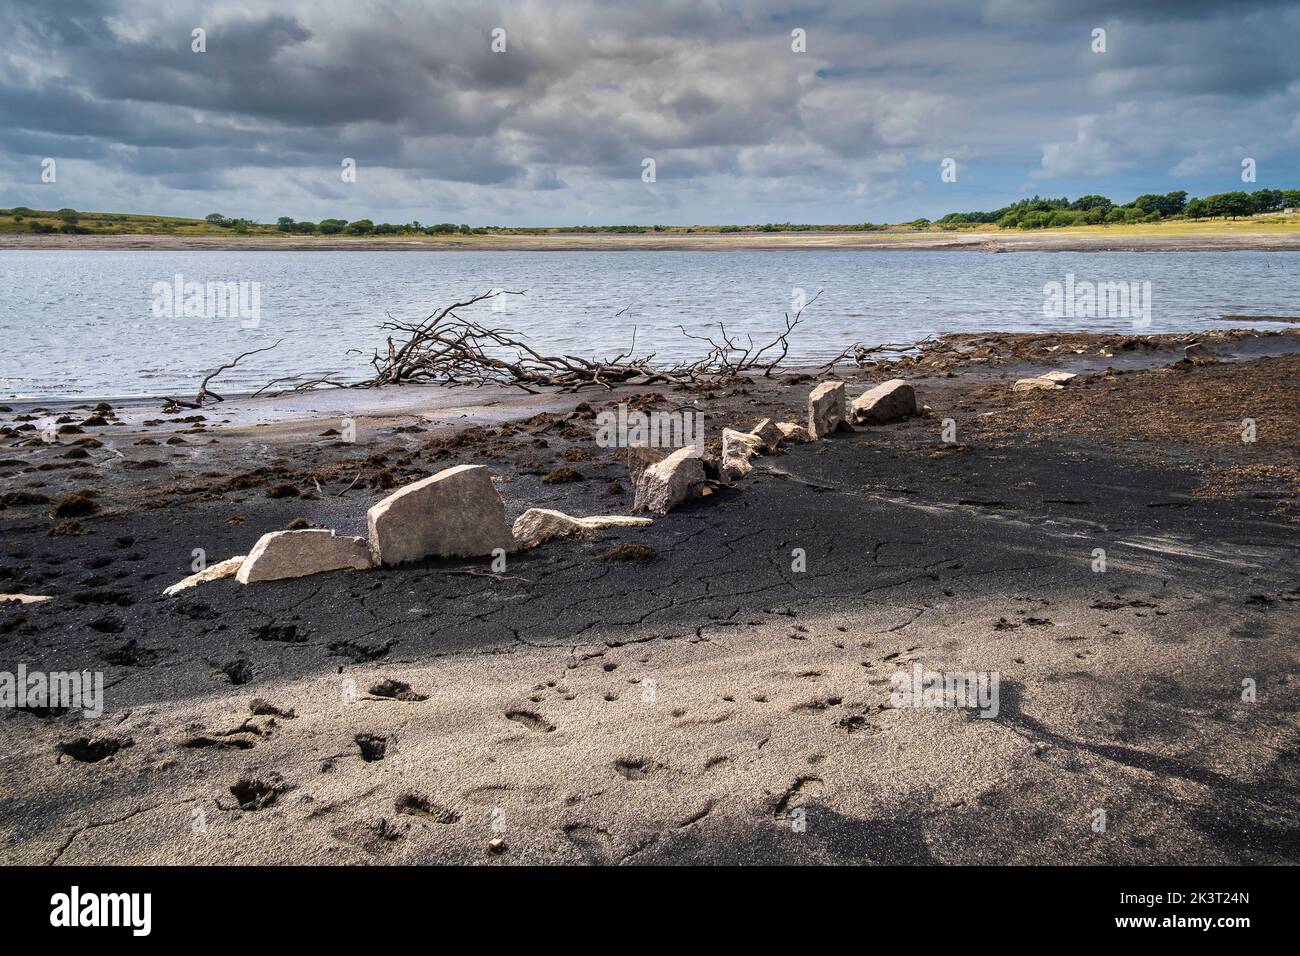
(993, 241)
(707, 704)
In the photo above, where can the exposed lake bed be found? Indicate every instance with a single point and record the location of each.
(771, 687)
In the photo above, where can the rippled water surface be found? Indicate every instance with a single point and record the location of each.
(82, 324)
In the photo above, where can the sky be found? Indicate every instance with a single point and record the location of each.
(553, 127)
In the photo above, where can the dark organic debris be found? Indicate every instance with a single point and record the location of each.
(631, 552)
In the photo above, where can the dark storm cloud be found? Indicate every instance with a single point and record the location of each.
(557, 127)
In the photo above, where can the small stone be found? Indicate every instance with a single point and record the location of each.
(213, 572)
(25, 598)
(1031, 384)
(1060, 378)
(538, 525)
(793, 433)
(826, 409)
(497, 846)
(295, 554)
(887, 402)
(737, 449)
(769, 433)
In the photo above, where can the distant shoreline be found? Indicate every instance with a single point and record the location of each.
(1063, 240)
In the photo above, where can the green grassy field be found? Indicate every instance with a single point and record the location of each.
(112, 223)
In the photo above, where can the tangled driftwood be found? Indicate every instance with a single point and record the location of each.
(448, 349)
(867, 356)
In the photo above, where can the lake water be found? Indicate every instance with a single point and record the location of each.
(84, 324)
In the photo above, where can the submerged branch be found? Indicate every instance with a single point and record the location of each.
(204, 391)
(447, 349)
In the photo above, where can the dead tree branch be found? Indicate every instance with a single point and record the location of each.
(448, 349)
(862, 355)
(205, 392)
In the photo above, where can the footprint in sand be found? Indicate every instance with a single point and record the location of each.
(93, 750)
(413, 804)
(530, 719)
(373, 747)
(396, 690)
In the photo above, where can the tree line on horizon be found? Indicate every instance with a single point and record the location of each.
(1035, 213)
(1093, 210)
(364, 227)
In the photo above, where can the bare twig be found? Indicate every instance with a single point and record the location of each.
(861, 355)
(205, 392)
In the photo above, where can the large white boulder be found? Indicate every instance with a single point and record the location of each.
(296, 554)
(538, 525)
(887, 402)
(455, 513)
(639, 458)
(826, 409)
(213, 572)
(666, 484)
(737, 449)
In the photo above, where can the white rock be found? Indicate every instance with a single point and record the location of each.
(666, 484)
(537, 525)
(296, 554)
(887, 402)
(793, 433)
(770, 434)
(639, 458)
(1030, 384)
(455, 513)
(826, 409)
(213, 572)
(737, 449)
(24, 598)
(1060, 378)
